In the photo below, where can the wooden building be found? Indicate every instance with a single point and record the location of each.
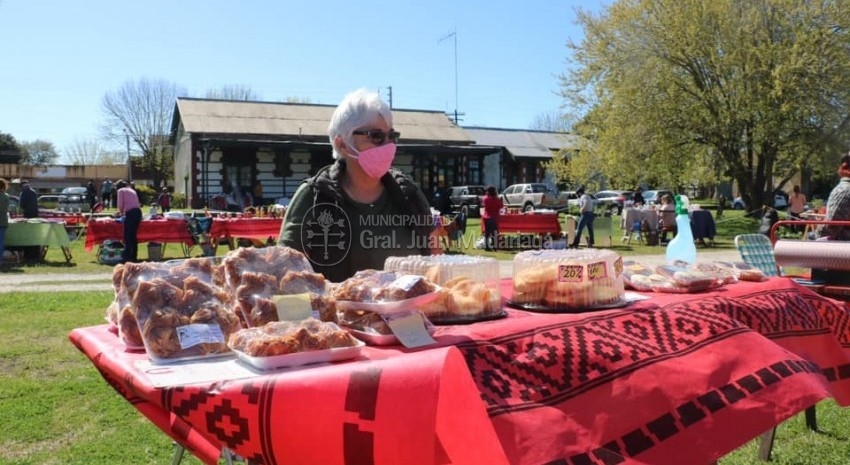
(221, 145)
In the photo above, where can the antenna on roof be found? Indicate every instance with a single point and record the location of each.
(453, 34)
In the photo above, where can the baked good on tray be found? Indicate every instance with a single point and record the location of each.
(567, 279)
(468, 286)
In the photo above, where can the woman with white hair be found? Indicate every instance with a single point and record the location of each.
(358, 211)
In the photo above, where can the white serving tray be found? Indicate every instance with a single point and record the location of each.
(301, 358)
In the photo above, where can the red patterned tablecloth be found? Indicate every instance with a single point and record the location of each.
(248, 228)
(164, 231)
(669, 380)
(531, 223)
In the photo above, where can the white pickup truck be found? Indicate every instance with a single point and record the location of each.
(533, 196)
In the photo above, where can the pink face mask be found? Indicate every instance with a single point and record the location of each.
(377, 160)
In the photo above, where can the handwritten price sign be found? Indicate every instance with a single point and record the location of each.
(570, 273)
(597, 270)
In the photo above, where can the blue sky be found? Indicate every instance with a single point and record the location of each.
(62, 57)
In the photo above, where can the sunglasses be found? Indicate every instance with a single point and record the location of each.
(378, 136)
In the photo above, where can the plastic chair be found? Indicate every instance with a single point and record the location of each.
(757, 250)
(636, 231)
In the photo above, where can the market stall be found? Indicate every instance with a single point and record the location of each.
(670, 379)
(162, 231)
(41, 233)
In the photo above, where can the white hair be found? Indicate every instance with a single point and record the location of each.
(356, 110)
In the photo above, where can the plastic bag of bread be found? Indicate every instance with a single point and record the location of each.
(636, 275)
(183, 320)
(129, 276)
(376, 286)
(255, 276)
(691, 279)
(743, 271)
(282, 344)
(257, 303)
(723, 274)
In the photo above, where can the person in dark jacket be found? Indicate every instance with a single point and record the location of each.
(358, 211)
(28, 201)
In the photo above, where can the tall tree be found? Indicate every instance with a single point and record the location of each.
(38, 153)
(90, 152)
(553, 121)
(142, 111)
(233, 92)
(687, 90)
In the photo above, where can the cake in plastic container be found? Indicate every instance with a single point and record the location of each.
(468, 286)
(568, 280)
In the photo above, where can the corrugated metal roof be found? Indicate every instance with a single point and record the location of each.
(292, 119)
(523, 143)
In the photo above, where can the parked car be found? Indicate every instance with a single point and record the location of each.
(653, 197)
(779, 203)
(48, 201)
(466, 199)
(532, 196)
(613, 201)
(73, 199)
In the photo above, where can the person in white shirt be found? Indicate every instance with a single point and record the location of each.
(585, 205)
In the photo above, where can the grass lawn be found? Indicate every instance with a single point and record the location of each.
(56, 408)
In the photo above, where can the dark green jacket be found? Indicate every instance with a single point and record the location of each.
(403, 198)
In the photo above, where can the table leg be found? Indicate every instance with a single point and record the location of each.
(178, 454)
(67, 252)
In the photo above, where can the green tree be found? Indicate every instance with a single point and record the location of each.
(142, 110)
(10, 150)
(686, 92)
(38, 153)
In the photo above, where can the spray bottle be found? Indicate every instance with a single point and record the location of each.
(682, 249)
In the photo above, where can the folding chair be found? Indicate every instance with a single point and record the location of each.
(757, 250)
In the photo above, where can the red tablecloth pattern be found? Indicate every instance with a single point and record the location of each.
(248, 228)
(669, 380)
(531, 223)
(160, 230)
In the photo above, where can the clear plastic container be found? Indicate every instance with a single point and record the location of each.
(469, 286)
(568, 280)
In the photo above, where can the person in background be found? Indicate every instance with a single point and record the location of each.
(106, 193)
(838, 204)
(796, 203)
(129, 207)
(492, 211)
(164, 200)
(4, 217)
(638, 200)
(585, 206)
(667, 216)
(28, 201)
(91, 194)
(370, 210)
(258, 193)
(721, 204)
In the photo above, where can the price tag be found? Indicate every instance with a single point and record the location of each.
(597, 270)
(409, 328)
(618, 266)
(293, 307)
(570, 273)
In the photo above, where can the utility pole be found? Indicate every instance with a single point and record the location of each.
(390, 89)
(129, 162)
